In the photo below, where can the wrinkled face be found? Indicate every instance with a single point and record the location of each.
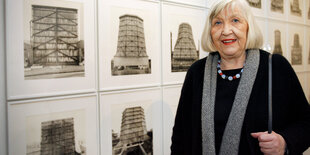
(229, 32)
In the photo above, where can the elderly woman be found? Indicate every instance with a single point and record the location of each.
(223, 108)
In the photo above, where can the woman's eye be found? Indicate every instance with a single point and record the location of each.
(217, 23)
(235, 20)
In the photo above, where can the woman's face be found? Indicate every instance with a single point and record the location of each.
(229, 32)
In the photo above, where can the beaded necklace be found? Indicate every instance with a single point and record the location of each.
(230, 78)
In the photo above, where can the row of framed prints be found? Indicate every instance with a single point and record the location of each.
(88, 124)
(287, 10)
(138, 120)
(54, 47)
(62, 47)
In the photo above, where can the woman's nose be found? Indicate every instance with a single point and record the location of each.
(226, 29)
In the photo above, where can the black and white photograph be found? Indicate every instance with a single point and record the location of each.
(296, 47)
(277, 48)
(53, 41)
(277, 6)
(181, 36)
(296, 7)
(132, 130)
(255, 3)
(50, 49)
(185, 51)
(60, 126)
(131, 55)
(56, 133)
(296, 50)
(131, 122)
(129, 43)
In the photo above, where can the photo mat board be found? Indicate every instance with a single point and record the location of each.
(182, 28)
(60, 69)
(54, 126)
(132, 122)
(129, 59)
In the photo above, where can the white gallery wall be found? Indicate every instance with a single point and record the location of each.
(95, 91)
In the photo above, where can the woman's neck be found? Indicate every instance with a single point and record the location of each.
(228, 63)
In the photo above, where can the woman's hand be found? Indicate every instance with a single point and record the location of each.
(270, 144)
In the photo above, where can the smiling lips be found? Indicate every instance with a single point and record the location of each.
(228, 41)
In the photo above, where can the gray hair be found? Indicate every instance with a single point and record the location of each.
(254, 36)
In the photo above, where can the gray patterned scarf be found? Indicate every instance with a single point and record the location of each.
(232, 132)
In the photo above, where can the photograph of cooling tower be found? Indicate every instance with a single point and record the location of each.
(133, 134)
(295, 7)
(255, 3)
(55, 134)
(184, 53)
(131, 54)
(296, 51)
(53, 42)
(277, 6)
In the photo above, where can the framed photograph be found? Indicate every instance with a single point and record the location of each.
(277, 9)
(50, 49)
(257, 7)
(131, 122)
(171, 96)
(296, 10)
(190, 2)
(296, 46)
(277, 37)
(54, 127)
(307, 12)
(182, 27)
(129, 44)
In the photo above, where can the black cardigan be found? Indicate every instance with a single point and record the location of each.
(291, 111)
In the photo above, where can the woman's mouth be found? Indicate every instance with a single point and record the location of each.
(228, 41)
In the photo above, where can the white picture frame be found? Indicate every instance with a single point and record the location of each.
(18, 86)
(175, 16)
(109, 14)
(280, 26)
(148, 99)
(171, 96)
(26, 121)
(296, 30)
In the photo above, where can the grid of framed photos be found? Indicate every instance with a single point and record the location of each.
(110, 72)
